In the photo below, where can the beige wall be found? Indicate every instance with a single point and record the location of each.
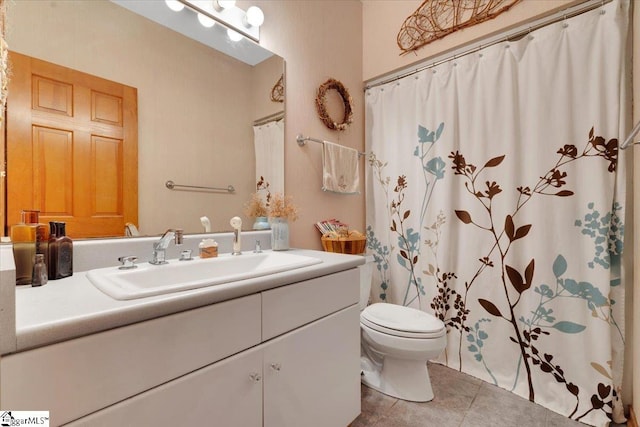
(195, 105)
(318, 40)
(382, 20)
(264, 76)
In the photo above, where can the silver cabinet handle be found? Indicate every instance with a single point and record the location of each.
(276, 367)
(255, 377)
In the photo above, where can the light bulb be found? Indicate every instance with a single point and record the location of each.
(254, 16)
(226, 4)
(234, 35)
(205, 21)
(174, 5)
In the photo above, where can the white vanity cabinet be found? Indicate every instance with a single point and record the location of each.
(311, 377)
(287, 356)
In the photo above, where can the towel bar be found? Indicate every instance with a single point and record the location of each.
(302, 140)
(173, 186)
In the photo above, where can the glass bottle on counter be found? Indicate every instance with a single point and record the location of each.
(53, 251)
(29, 238)
(60, 252)
(42, 233)
(40, 275)
(23, 237)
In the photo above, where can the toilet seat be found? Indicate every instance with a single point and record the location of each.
(402, 321)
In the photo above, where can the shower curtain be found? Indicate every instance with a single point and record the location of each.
(269, 149)
(495, 201)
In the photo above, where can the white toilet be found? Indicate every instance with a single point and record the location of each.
(396, 342)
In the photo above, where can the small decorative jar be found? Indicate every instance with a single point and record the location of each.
(262, 223)
(279, 234)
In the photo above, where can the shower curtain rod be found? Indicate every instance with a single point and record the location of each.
(269, 118)
(490, 41)
(629, 139)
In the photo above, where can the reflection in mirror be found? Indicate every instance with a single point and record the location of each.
(196, 106)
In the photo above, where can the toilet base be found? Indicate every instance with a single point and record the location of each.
(400, 378)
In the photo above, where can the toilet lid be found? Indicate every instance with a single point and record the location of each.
(399, 320)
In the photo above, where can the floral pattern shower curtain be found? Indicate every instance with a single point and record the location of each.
(495, 201)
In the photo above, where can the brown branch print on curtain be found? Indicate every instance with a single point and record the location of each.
(517, 280)
(435, 19)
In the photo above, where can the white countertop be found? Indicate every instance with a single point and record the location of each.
(73, 307)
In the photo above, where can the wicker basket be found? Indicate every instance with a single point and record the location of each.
(344, 245)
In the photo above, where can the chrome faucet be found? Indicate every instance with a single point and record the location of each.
(236, 223)
(161, 245)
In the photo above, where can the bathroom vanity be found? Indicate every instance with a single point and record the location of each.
(279, 350)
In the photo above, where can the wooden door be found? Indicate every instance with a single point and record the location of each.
(72, 149)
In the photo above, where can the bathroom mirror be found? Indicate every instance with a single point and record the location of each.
(196, 106)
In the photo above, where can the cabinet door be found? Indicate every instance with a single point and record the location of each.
(227, 393)
(312, 374)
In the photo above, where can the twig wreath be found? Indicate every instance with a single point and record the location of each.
(333, 84)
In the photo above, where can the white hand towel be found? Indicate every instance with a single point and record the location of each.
(340, 171)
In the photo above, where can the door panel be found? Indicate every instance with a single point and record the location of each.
(312, 374)
(72, 148)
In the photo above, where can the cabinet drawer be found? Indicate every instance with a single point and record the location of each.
(73, 378)
(222, 394)
(288, 307)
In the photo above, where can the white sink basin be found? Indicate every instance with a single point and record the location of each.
(147, 280)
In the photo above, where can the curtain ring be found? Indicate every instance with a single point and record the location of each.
(602, 11)
(564, 21)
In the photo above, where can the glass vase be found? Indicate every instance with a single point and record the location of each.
(279, 234)
(261, 223)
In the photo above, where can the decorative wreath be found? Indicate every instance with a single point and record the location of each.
(322, 110)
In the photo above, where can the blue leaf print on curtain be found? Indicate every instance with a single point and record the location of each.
(607, 232)
(436, 167)
(408, 238)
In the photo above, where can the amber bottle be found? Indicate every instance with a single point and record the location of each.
(23, 237)
(29, 238)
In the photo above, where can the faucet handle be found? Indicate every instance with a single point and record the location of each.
(128, 262)
(258, 249)
(186, 255)
(179, 234)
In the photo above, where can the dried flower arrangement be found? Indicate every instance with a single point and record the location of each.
(256, 207)
(282, 206)
(346, 99)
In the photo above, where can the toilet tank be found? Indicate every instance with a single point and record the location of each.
(366, 274)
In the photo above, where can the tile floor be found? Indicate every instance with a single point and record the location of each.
(460, 401)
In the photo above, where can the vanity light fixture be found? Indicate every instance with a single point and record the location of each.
(238, 22)
(234, 35)
(254, 17)
(224, 4)
(205, 21)
(174, 5)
